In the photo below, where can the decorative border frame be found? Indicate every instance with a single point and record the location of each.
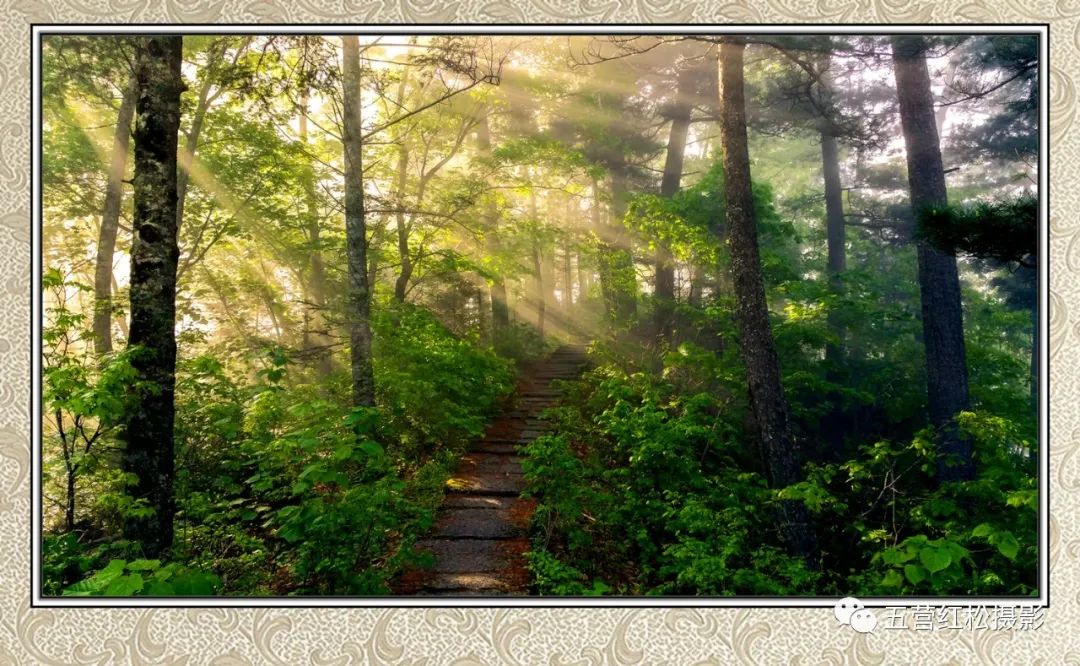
(518, 635)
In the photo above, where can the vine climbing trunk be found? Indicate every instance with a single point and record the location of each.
(358, 291)
(939, 281)
(148, 425)
(758, 349)
(110, 222)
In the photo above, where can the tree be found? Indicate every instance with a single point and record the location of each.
(358, 289)
(110, 223)
(148, 428)
(758, 349)
(500, 311)
(679, 111)
(939, 281)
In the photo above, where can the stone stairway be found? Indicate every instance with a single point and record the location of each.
(479, 538)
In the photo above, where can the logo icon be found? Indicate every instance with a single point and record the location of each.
(852, 612)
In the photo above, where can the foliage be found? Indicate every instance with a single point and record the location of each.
(652, 481)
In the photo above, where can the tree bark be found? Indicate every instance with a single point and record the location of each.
(148, 427)
(401, 284)
(939, 282)
(759, 353)
(835, 235)
(568, 276)
(618, 280)
(110, 223)
(664, 286)
(500, 311)
(358, 291)
(198, 118)
(316, 336)
(537, 262)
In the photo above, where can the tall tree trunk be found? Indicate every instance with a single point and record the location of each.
(568, 276)
(939, 282)
(198, 118)
(483, 311)
(110, 223)
(697, 281)
(537, 262)
(538, 286)
(759, 353)
(358, 291)
(664, 287)
(835, 233)
(148, 427)
(618, 280)
(500, 311)
(401, 284)
(316, 334)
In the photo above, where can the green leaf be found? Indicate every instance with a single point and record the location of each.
(125, 586)
(914, 573)
(982, 530)
(892, 578)
(143, 565)
(1007, 545)
(935, 559)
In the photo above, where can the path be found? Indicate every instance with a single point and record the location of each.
(479, 538)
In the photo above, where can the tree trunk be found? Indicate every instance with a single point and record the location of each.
(618, 280)
(483, 312)
(401, 285)
(835, 234)
(759, 353)
(187, 157)
(538, 286)
(939, 282)
(500, 311)
(568, 276)
(584, 273)
(664, 287)
(358, 291)
(148, 428)
(316, 334)
(537, 263)
(110, 223)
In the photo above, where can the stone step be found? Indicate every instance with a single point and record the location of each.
(490, 463)
(476, 524)
(508, 447)
(466, 583)
(465, 593)
(479, 502)
(466, 555)
(486, 484)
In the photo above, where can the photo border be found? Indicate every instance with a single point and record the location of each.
(456, 601)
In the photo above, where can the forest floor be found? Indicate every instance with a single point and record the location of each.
(480, 534)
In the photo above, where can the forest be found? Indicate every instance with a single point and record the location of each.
(577, 315)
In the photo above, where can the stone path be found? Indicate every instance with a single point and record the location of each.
(479, 538)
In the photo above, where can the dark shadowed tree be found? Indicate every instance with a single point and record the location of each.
(939, 281)
(148, 428)
(769, 406)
